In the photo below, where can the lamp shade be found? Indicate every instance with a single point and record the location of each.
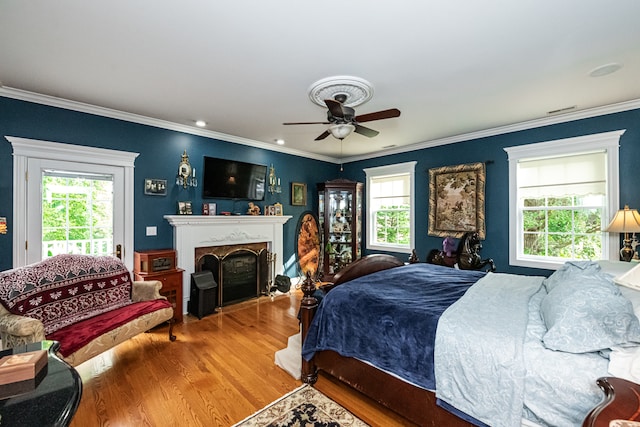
(625, 221)
(341, 131)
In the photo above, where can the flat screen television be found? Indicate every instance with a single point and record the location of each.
(231, 179)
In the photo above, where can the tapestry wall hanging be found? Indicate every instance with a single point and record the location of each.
(456, 200)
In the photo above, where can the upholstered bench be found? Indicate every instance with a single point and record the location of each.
(87, 303)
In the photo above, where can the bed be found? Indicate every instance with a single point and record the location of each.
(461, 348)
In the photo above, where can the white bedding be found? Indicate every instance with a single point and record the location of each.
(480, 372)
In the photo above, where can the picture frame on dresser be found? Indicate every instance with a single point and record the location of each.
(184, 208)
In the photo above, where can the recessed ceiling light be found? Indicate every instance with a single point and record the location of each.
(280, 141)
(603, 70)
(201, 123)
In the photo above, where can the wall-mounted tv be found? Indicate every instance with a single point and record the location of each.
(231, 179)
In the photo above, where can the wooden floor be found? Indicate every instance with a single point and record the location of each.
(219, 371)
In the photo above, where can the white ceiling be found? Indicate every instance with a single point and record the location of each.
(451, 66)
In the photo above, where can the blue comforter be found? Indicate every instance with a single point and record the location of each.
(398, 336)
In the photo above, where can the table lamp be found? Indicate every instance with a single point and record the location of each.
(625, 221)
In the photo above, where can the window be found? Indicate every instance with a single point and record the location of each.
(561, 195)
(390, 213)
(77, 213)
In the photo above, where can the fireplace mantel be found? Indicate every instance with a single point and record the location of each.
(195, 231)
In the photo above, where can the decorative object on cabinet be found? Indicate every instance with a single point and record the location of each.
(184, 208)
(625, 221)
(155, 187)
(298, 194)
(186, 174)
(308, 245)
(456, 200)
(209, 209)
(274, 181)
(160, 264)
(340, 224)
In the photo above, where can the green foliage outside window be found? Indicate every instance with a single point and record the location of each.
(565, 227)
(77, 211)
(393, 225)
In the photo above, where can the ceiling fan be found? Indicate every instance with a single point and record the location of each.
(343, 120)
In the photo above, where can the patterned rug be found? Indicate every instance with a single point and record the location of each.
(303, 407)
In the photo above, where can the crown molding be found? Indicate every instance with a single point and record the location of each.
(81, 107)
(52, 101)
(500, 130)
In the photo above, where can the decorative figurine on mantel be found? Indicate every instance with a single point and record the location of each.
(253, 209)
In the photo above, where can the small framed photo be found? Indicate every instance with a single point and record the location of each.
(298, 194)
(184, 208)
(270, 210)
(209, 209)
(277, 209)
(155, 187)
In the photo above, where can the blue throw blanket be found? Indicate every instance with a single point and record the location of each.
(389, 318)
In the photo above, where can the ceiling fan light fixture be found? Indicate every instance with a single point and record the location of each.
(342, 130)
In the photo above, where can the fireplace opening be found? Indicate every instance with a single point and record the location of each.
(241, 272)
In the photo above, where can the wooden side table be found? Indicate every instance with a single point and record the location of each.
(171, 287)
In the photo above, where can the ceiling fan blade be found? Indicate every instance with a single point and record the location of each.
(365, 131)
(323, 135)
(307, 123)
(335, 107)
(378, 115)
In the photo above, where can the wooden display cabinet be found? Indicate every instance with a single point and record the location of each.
(161, 265)
(340, 222)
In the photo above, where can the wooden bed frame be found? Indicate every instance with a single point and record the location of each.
(411, 402)
(621, 401)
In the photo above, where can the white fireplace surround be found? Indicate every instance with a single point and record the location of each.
(196, 231)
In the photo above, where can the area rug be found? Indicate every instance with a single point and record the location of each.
(303, 407)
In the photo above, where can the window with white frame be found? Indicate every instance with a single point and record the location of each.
(561, 195)
(390, 212)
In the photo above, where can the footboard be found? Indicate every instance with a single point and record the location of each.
(621, 403)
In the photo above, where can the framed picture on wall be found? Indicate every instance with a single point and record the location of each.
(155, 187)
(456, 200)
(298, 194)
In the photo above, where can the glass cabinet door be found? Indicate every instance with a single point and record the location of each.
(340, 214)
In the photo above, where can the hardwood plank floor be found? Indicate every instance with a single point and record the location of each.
(220, 370)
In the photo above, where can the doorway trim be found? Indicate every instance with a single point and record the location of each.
(24, 148)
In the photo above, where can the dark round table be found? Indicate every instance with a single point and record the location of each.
(50, 399)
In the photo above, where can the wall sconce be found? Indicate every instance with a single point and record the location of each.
(186, 175)
(274, 182)
(625, 221)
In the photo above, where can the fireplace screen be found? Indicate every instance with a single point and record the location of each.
(241, 273)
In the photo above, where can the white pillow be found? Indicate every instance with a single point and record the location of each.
(625, 363)
(630, 279)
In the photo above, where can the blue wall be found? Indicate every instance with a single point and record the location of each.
(160, 152)
(491, 150)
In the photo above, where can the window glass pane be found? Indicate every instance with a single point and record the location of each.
(77, 214)
(534, 244)
(534, 220)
